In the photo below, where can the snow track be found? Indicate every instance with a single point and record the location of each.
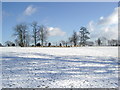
(83, 67)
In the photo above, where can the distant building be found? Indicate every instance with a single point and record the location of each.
(118, 43)
(89, 43)
(112, 42)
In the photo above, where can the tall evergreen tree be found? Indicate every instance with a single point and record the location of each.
(99, 41)
(84, 35)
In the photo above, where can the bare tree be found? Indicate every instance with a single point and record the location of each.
(27, 39)
(35, 32)
(63, 42)
(70, 41)
(74, 38)
(84, 35)
(17, 42)
(43, 34)
(22, 34)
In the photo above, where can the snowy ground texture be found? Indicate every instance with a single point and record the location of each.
(80, 67)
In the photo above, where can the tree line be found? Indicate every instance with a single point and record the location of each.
(40, 34)
(23, 37)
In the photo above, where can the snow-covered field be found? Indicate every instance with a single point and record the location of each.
(75, 67)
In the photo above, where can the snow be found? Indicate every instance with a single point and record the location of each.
(51, 67)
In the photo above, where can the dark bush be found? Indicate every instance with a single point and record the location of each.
(32, 45)
(38, 44)
(60, 45)
(49, 44)
(13, 44)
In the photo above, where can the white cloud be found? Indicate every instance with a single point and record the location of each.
(111, 19)
(105, 27)
(30, 10)
(55, 31)
(101, 18)
(27, 12)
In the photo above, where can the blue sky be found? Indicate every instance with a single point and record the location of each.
(61, 18)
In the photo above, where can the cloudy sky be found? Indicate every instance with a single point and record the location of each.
(61, 18)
